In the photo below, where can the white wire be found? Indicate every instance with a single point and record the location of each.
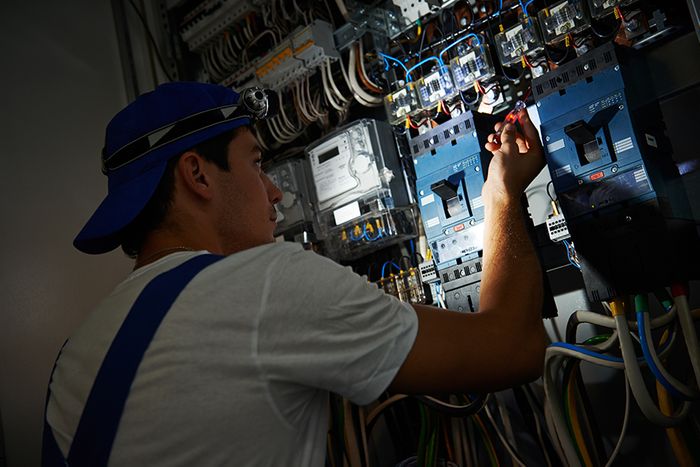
(343, 9)
(625, 422)
(283, 114)
(301, 103)
(306, 90)
(360, 57)
(507, 425)
(558, 426)
(330, 98)
(504, 441)
(680, 387)
(608, 322)
(639, 389)
(553, 435)
(357, 89)
(691, 338)
(538, 428)
(332, 81)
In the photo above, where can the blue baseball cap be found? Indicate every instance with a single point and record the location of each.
(141, 138)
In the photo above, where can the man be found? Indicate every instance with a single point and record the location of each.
(241, 358)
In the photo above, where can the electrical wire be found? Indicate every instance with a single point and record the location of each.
(675, 387)
(161, 62)
(461, 39)
(516, 459)
(453, 410)
(685, 318)
(422, 62)
(363, 73)
(634, 375)
(623, 430)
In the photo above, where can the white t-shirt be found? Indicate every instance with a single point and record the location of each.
(238, 372)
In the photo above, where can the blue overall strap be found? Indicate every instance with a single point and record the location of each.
(93, 439)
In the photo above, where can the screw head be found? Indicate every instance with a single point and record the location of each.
(472, 222)
(422, 192)
(614, 169)
(539, 104)
(622, 107)
(547, 138)
(628, 218)
(585, 67)
(580, 182)
(617, 67)
(477, 169)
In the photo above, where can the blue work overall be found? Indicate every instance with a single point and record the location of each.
(93, 439)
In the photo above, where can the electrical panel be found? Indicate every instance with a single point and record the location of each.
(390, 103)
(523, 39)
(295, 215)
(360, 192)
(451, 166)
(304, 50)
(610, 163)
(563, 18)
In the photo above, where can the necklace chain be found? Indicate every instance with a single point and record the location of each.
(164, 250)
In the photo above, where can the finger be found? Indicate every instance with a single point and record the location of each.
(492, 147)
(508, 139)
(522, 144)
(497, 127)
(528, 127)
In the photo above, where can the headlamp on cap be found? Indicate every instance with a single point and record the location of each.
(254, 103)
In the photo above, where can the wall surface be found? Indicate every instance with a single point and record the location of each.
(61, 83)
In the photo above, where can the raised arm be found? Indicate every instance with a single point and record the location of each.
(502, 344)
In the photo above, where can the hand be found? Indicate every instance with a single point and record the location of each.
(517, 158)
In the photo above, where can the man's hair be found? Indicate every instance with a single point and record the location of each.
(154, 213)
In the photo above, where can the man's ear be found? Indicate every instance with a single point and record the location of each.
(195, 173)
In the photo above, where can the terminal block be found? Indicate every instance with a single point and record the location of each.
(472, 64)
(434, 87)
(297, 56)
(567, 17)
(523, 39)
(401, 104)
(428, 272)
(557, 228)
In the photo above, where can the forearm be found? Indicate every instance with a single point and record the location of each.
(511, 285)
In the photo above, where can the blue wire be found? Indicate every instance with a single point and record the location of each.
(500, 7)
(386, 264)
(389, 57)
(408, 72)
(594, 354)
(650, 361)
(470, 35)
(568, 256)
(384, 268)
(524, 8)
(584, 351)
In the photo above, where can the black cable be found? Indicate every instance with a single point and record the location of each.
(609, 35)
(549, 56)
(547, 188)
(474, 406)
(469, 103)
(153, 41)
(511, 79)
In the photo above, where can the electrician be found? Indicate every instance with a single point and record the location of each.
(221, 347)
